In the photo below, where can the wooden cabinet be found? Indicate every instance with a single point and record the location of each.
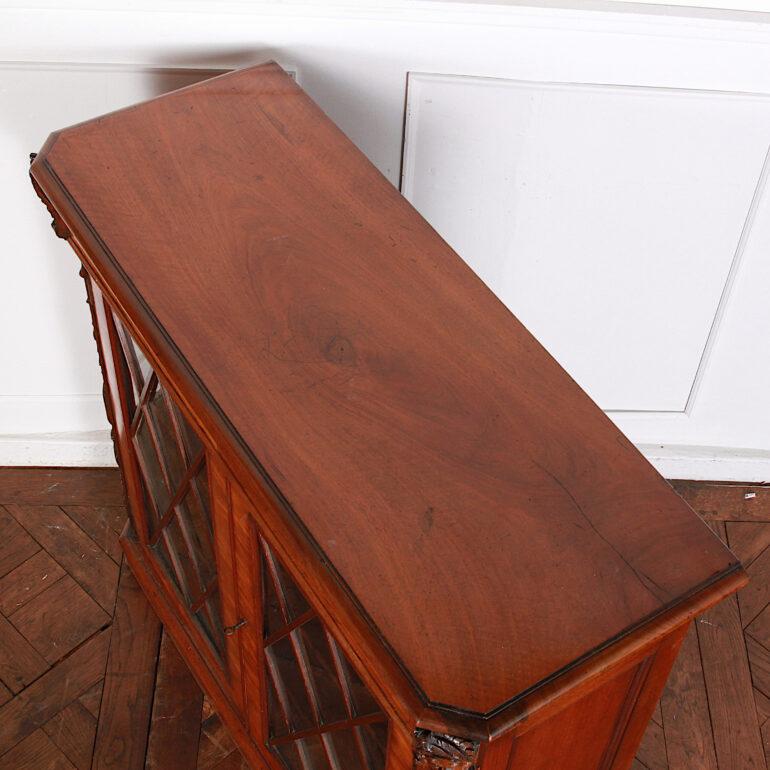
(383, 526)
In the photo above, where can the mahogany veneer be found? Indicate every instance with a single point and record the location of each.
(382, 524)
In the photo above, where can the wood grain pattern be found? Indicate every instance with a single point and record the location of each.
(35, 752)
(124, 716)
(51, 692)
(73, 730)
(571, 741)
(61, 486)
(72, 549)
(754, 598)
(685, 712)
(684, 717)
(420, 401)
(20, 663)
(652, 749)
(29, 579)
(91, 699)
(176, 713)
(102, 523)
(59, 619)
(747, 539)
(16, 546)
(737, 739)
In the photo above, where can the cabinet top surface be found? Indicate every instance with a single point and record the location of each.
(489, 518)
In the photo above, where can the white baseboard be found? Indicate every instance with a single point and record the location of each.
(85, 450)
(94, 449)
(709, 463)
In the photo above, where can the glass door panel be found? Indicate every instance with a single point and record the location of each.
(320, 714)
(172, 467)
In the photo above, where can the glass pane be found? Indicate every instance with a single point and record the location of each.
(167, 448)
(138, 365)
(331, 702)
(290, 756)
(362, 700)
(347, 750)
(290, 685)
(291, 596)
(192, 443)
(209, 618)
(145, 369)
(274, 621)
(150, 466)
(296, 604)
(192, 588)
(160, 549)
(375, 738)
(171, 452)
(198, 528)
(275, 715)
(315, 753)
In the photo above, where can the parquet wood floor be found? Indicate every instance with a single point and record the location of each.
(87, 679)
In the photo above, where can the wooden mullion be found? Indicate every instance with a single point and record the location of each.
(300, 653)
(193, 487)
(279, 689)
(304, 757)
(289, 627)
(190, 460)
(184, 526)
(277, 585)
(175, 565)
(111, 359)
(340, 672)
(159, 452)
(144, 397)
(332, 727)
(175, 425)
(359, 738)
(129, 353)
(145, 473)
(187, 484)
(342, 678)
(331, 753)
(203, 596)
(311, 688)
(178, 496)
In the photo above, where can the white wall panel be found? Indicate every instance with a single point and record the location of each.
(606, 218)
(49, 374)
(66, 60)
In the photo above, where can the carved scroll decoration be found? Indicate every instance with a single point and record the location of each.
(435, 751)
(56, 221)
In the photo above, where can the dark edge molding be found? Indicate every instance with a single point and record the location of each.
(272, 488)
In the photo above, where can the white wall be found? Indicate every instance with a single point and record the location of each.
(625, 221)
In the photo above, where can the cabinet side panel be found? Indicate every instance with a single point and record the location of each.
(599, 731)
(621, 754)
(578, 736)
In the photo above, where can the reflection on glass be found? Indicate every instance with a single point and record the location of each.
(315, 700)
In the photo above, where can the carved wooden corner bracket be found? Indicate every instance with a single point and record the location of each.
(58, 226)
(435, 751)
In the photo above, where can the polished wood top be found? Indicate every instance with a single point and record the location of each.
(492, 522)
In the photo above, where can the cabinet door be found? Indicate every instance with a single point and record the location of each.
(165, 466)
(307, 706)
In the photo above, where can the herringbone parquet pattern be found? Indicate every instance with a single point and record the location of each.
(88, 681)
